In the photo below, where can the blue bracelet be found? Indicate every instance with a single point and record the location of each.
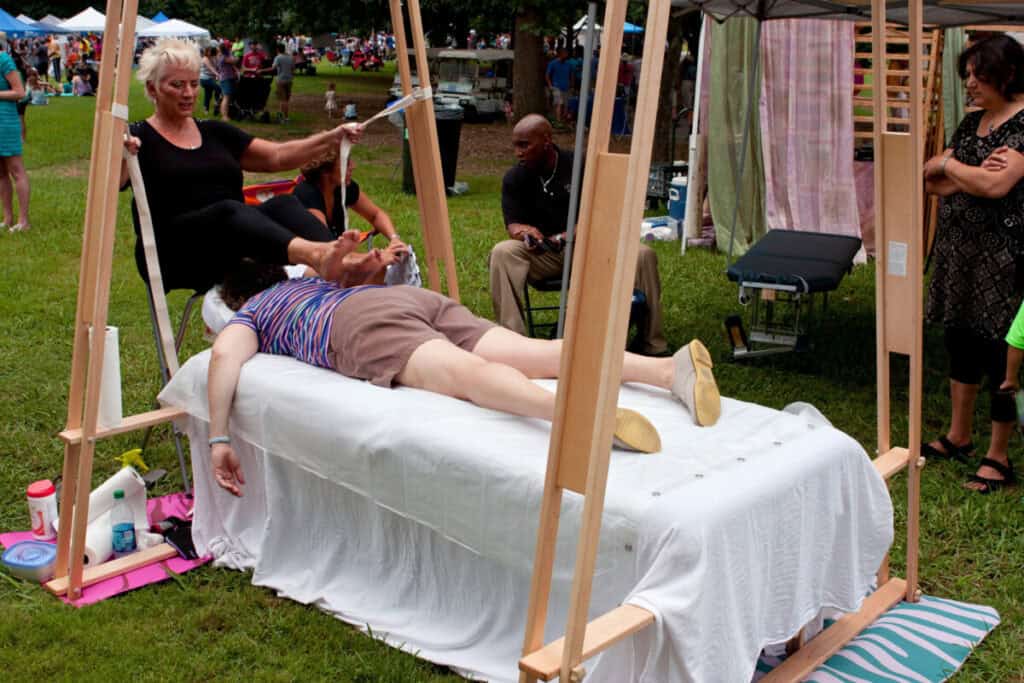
(220, 439)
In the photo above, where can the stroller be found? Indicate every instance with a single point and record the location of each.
(250, 101)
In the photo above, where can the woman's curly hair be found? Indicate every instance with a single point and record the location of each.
(317, 166)
(248, 278)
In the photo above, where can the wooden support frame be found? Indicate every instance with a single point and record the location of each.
(611, 207)
(580, 439)
(426, 160)
(109, 127)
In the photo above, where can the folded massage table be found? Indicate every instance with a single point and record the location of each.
(779, 277)
(415, 515)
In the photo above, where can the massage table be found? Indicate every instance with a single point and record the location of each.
(779, 277)
(415, 515)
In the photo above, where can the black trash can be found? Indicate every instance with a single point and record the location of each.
(449, 130)
(408, 182)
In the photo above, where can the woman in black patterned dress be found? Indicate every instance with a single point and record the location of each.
(978, 279)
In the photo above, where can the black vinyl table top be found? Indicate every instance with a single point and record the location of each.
(809, 261)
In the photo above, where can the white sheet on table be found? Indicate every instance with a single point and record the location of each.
(734, 536)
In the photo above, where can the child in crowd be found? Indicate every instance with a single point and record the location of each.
(36, 90)
(331, 101)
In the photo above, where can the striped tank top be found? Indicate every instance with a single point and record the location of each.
(293, 318)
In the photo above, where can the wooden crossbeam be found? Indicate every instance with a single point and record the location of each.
(107, 570)
(601, 634)
(128, 424)
(814, 653)
(891, 462)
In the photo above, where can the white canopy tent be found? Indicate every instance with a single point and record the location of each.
(173, 28)
(26, 19)
(87, 21)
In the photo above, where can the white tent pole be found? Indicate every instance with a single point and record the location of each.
(695, 170)
(577, 164)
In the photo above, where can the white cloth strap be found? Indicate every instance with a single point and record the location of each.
(417, 95)
(156, 283)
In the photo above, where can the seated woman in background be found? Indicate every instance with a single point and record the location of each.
(417, 338)
(37, 90)
(193, 172)
(320, 193)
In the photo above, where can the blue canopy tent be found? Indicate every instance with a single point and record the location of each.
(160, 17)
(16, 29)
(48, 28)
(632, 28)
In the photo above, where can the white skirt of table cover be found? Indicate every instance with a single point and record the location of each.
(416, 515)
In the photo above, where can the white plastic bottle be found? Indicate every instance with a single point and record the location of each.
(122, 526)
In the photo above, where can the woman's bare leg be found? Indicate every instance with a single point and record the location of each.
(6, 192)
(441, 367)
(540, 358)
(16, 169)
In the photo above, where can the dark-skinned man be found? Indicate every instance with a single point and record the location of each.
(535, 204)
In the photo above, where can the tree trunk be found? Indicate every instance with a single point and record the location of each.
(530, 96)
(667, 107)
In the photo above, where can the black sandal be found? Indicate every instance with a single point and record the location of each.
(1009, 478)
(959, 453)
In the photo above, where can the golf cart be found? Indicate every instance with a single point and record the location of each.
(476, 80)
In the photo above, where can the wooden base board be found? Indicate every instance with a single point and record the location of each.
(602, 632)
(835, 637)
(891, 462)
(128, 424)
(121, 565)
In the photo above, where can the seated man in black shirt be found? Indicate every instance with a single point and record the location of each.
(535, 202)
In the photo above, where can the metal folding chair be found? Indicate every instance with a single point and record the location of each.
(165, 372)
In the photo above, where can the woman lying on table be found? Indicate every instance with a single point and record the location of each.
(417, 338)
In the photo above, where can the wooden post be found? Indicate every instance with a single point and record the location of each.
(916, 274)
(426, 157)
(607, 244)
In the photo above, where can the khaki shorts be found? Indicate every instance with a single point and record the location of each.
(559, 97)
(376, 330)
(284, 91)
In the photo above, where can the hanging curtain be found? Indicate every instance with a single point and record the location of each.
(807, 126)
(953, 95)
(731, 60)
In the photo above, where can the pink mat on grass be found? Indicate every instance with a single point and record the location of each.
(158, 509)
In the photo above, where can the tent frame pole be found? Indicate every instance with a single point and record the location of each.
(577, 165)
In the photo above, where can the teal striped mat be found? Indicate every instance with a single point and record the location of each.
(924, 642)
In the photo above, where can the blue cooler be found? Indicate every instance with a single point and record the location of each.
(677, 198)
(677, 201)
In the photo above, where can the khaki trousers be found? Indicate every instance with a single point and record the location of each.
(512, 264)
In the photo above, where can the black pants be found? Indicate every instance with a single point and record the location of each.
(198, 247)
(971, 357)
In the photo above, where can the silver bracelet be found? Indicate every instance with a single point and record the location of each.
(942, 166)
(219, 439)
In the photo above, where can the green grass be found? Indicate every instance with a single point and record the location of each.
(213, 624)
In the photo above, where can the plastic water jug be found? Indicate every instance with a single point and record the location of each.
(677, 198)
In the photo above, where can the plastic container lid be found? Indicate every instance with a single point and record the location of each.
(30, 555)
(41, 489)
